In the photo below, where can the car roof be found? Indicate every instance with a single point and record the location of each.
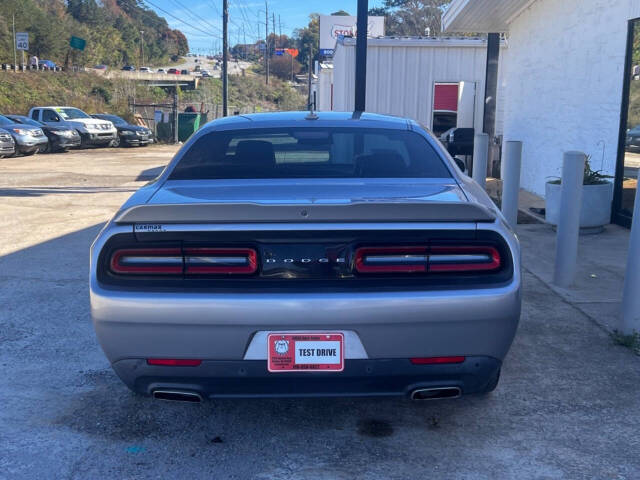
(305, 119)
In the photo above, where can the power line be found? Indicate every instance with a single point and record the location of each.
(202, 21)
(178, 19)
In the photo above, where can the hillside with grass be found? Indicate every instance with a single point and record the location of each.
(94, 93)
(112, 30)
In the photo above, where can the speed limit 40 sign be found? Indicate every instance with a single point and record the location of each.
(22, 41)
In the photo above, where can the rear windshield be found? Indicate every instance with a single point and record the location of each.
(311, 153)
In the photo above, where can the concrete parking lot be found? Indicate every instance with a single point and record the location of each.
(568, 404)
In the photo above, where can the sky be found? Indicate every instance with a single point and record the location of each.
(246, 18)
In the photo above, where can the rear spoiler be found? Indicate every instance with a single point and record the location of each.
(314, 213)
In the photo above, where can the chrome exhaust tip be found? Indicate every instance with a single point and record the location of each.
(177, 396)
(439, 393)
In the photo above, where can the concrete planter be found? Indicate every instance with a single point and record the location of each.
(595, 211)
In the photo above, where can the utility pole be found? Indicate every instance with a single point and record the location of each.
(225, 55)
(309, 81)
(266, 42)
(142, 46)
(15, 55)
(244, 43)
(273, 19)
(279, 27)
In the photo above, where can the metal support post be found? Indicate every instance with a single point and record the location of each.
(631, 292)
(569, 219)
(511, 182)
(480, 154)
(361, 56)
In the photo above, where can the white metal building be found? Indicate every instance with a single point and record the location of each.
(403, 75)
(564, 75)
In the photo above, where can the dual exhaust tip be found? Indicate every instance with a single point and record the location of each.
(418, 394)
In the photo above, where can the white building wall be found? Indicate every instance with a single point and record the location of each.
(564, 80)
(401, 74)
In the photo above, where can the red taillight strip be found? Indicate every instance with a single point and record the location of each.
(391, 259)
(174, 362)
(464, 258)
(419, 259)
(220, 261)
(170, 257)
(436, 360)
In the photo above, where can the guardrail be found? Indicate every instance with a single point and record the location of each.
(28, 68)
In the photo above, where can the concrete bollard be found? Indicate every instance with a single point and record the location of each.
(569, 219)
(631, 292)
(480, 155)
(511, 181)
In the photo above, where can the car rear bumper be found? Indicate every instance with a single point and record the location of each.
(388, 324)
(250, 378)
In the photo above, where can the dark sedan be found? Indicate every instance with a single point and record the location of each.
(128, 134)
(633, 138)
(61, 138)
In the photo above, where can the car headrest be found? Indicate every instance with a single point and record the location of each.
(381, 165)
(257, 153)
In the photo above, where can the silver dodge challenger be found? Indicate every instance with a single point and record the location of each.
(300, 254)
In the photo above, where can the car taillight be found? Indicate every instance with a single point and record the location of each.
(391, 259)
(464, 258)
(147, 261)
(423, 259)
(227, 261)
(178, 261)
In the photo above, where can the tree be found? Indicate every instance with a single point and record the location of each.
(341, 13)
(308, 39)
(280, 66)
(412, 17)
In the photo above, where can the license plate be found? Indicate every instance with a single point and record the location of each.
(310, 352)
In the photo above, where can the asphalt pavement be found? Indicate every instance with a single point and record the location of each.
(567, 406)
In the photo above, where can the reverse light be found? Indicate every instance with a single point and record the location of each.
(391, 259)
(226, 261)
(149, 261)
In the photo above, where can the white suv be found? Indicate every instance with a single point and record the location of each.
(92, 131)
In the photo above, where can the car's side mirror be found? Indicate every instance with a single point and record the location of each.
(462, 165)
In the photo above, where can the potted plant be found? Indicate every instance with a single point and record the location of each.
(597, 195)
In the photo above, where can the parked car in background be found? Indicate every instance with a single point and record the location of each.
(633, 138)
(145, 70)
(184, 71)
(47, 64)
(28, 139)
(129, 68)
(92, 131)
(161, 70)
(7, 144)
(173, 71)
(128, 134)
(296, 254)
(100, 67)
(205, 73)
(61, 138)
(458, 140)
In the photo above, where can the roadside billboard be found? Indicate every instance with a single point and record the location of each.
(334, 26)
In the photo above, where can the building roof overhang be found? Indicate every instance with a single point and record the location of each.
(482, 16)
